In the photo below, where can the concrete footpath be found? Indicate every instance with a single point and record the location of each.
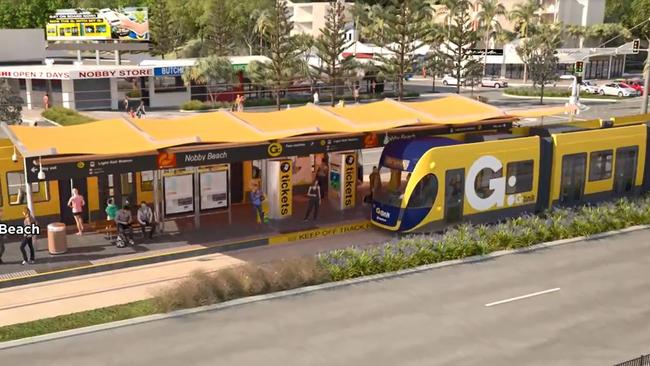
(20, 304)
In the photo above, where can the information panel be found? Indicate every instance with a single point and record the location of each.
(179, 195)
(214, 189)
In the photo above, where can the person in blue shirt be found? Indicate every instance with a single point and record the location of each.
(256, 199)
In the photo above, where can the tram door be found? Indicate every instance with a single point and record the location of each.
(572, 183)
(454, 194)
(65, 192)
(625, 170)
(119, 187)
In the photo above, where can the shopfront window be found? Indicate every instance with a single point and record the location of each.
(169, 84)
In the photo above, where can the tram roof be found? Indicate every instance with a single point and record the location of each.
(126, 136)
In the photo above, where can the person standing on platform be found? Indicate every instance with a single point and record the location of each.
(76, 203)
(28, 240)
(315, 198)
(256, 200)
(322, 173)
(375, 182)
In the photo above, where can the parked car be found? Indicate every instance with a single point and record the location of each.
(636, 85)
(450, 80)
(587, 86)
(493, 82)
(618, 89)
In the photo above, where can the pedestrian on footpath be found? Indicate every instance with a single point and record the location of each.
(77, 203)
(125, 103)
(315, 198)
(28, 240)
(257, 197)
(46, 101)
(355, 94)
(316, 97)
(140, 112)
(240, 106)
(2, 241)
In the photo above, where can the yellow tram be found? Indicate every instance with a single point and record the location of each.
(437, 181)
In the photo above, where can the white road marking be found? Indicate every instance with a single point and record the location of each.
(523, 297)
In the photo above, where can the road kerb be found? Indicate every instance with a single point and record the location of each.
(305, 290)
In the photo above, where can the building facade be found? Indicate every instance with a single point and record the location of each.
(309, 18)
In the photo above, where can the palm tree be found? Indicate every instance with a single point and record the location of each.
(210, 71)
(576, 32)
(262, 24)
(487, 17)
(525, 16)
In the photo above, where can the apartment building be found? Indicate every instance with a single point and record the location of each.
(309, 18)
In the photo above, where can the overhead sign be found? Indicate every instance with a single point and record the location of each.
(81, 24)
(104, 73)
(80, 169)
(169, 71)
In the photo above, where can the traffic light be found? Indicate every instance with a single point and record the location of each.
(636, 44)
(578, 67)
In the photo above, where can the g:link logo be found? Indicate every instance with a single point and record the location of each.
(275, 149)
(497, 185)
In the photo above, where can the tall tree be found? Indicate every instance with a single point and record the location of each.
(11, 104)
(490, 23)
(462, 38)
(525, 16)
(406, 27)
(247, 16)
(284, 66)
(164, 33)
(211, 71)
(538, 52)
(330, 45)
(219, 27)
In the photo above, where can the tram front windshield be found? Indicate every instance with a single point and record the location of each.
(393, 186)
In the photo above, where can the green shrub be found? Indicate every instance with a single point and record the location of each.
(560, 92)
(65, 116)
(197, 105)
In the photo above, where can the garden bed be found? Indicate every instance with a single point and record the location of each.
(553, 92)
(65, 116)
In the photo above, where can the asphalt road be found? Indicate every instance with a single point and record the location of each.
(595, 312)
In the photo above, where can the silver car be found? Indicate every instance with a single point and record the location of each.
(493, 82)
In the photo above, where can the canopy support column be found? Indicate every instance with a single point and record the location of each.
(197, 199)
(156, 202)
(28, 190)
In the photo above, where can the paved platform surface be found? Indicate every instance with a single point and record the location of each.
(42, 300)
(598, 315)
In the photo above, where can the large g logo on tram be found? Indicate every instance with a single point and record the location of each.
(497, 185)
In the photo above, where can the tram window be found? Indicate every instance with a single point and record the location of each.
(146, 180)
(482, 182)
(424, 193)
(600, 165)
(17, 193)
(522, 171)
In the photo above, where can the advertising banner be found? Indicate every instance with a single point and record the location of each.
(286, 189)
(349, 189)
(214, 187)
(130, 24)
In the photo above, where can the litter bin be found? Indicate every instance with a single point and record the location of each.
(57, 242)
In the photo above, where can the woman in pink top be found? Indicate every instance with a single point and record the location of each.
(77, 204)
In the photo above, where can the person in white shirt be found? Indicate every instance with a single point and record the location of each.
(316, 98)
(145, 218)
(315, 198)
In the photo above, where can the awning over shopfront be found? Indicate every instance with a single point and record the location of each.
(137, 136)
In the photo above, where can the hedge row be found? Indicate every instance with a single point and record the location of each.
(65, 116)
(467, 240)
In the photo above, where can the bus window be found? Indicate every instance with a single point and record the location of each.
(519, 177)
(424, 193)
(600, 165)
(482, 182)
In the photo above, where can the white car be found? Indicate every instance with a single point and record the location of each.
(587, 86)
(493, 82)
(450, 80)
(618, 89)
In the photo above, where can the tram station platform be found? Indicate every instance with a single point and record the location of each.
(218, 232)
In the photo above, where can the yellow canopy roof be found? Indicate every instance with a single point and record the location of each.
(121, 136)
(102, 137)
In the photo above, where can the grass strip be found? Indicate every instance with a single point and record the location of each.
(78, 320)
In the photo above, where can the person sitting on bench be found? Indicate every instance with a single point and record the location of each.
(145, 218)
(123, 220)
